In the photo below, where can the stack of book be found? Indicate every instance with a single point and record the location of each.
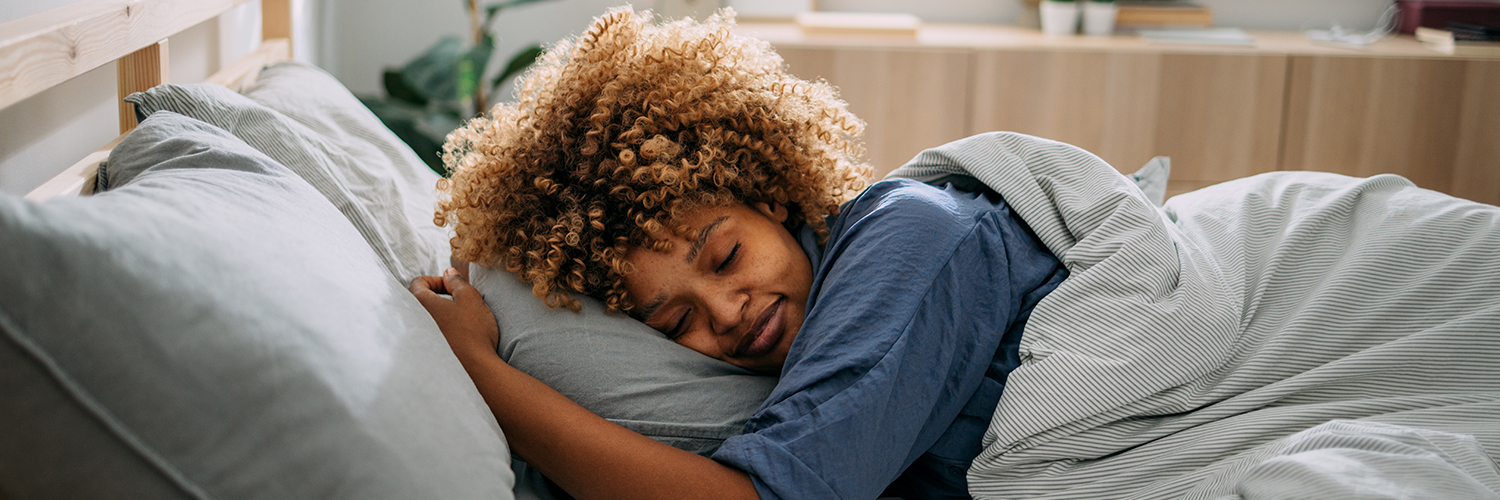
(858, 23)
(1201, 36)
(1462, 39)
(1161, 14)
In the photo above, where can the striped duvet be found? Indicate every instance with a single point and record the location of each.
(1288, 335)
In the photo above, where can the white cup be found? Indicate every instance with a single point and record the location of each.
(1099, 18)
(1059, 18)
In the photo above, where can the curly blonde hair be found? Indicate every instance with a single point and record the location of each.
(617, 133)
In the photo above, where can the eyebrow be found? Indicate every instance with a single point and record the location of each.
(703, 234)
(651, 307)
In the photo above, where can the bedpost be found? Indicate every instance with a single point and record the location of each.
(137, 72)
(276, 20)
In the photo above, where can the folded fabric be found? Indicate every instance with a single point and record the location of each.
(306, 120)
(1230, 319)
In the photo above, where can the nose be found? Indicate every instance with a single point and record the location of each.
(727, 311)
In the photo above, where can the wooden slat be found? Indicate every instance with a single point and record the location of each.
(43, 50)
(276, 20)
(243, 72)
(138, 72)
(79, 178)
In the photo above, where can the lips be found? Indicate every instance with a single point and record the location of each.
(764, 334)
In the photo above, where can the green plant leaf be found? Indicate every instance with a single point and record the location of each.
(471, 68)
(397, 88)
(518, 63)
(434, 72)
(411, 125)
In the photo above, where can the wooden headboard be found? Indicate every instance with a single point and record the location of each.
(41, 51)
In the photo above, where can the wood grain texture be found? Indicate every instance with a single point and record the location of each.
(79, 178)
(43, 50)
(1476, 174)
(276, 20)
(1433, 121)
(241, 73)
(910, 99)
(138, 72)
(1217, 115)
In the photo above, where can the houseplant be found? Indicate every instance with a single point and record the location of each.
(433, 93)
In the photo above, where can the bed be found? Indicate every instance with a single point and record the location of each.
(213, 323)
(227, 316)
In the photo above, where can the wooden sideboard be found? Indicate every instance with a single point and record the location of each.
(1220, 112)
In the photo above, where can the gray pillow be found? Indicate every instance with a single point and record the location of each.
(211, 326)
(306, 120)
(629, 373)
(622, 369)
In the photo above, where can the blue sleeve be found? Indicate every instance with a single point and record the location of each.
(908, 303)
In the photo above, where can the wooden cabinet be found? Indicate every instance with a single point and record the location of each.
(910, 99)
(1434, 121)
(1218, 116)
(1221, 113)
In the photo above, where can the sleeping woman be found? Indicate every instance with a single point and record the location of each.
(680, 175)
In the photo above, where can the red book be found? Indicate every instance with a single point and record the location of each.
(1438, 13)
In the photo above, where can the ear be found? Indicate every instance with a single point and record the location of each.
(773, 211)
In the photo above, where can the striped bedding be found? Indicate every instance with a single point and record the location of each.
(1287, 335)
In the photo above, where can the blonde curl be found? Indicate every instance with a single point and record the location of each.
(616, 134)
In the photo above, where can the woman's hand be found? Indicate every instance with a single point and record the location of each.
(590, 457)
(465, 320)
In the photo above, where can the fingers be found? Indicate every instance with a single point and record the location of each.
(426, 289)
(458, 287)
(429, 283)
(461, 265)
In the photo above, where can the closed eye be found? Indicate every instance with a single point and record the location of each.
(728, 259)
(677, 330)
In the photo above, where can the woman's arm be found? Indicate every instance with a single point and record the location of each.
(588, 456)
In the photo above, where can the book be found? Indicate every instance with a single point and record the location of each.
(1211, 36)
(1164, 14)
(1447, 42)
(858, 23)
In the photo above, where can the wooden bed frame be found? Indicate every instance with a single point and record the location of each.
(41, 51)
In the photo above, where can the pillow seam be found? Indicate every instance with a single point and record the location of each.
(93, 407)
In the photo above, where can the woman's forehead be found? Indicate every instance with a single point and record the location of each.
(693, 221)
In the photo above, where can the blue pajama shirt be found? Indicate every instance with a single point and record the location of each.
(913, 323)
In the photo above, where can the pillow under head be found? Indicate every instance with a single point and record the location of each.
(621, 369)
(211, 327)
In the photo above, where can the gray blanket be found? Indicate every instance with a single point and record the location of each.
(1288, 335)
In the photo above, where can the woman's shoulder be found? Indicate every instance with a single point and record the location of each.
(892, 203)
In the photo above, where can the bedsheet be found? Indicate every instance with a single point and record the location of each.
(1292, 334)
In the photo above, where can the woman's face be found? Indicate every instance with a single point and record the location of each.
(737, 293)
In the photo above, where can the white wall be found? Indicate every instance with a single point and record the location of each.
(48, 132)
(370, 35)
